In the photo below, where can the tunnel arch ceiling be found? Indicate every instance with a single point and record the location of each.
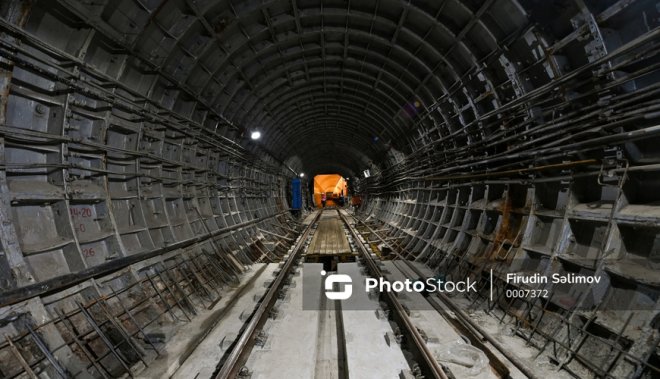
(355, 73)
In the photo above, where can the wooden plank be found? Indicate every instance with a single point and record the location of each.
(329, 238)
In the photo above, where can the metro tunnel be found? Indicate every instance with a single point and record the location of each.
(493, 212)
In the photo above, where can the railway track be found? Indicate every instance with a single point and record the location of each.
(232, 365)
(462, 322)
(283, 334)
(427, 364)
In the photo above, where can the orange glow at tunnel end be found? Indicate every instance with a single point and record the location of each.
(333, 185)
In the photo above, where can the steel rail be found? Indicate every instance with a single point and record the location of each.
(424, 357)
(461, 316)
(232, 365)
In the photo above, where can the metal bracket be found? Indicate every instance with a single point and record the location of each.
(610, 173)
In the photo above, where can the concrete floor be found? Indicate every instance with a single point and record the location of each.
(299, 337)
(196, 348)
(369, 354)
(314, 337)
(292, 336)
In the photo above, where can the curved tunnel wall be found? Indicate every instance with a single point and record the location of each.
(515, 135)
(549, 169)
(119, 189)
(98, 162)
